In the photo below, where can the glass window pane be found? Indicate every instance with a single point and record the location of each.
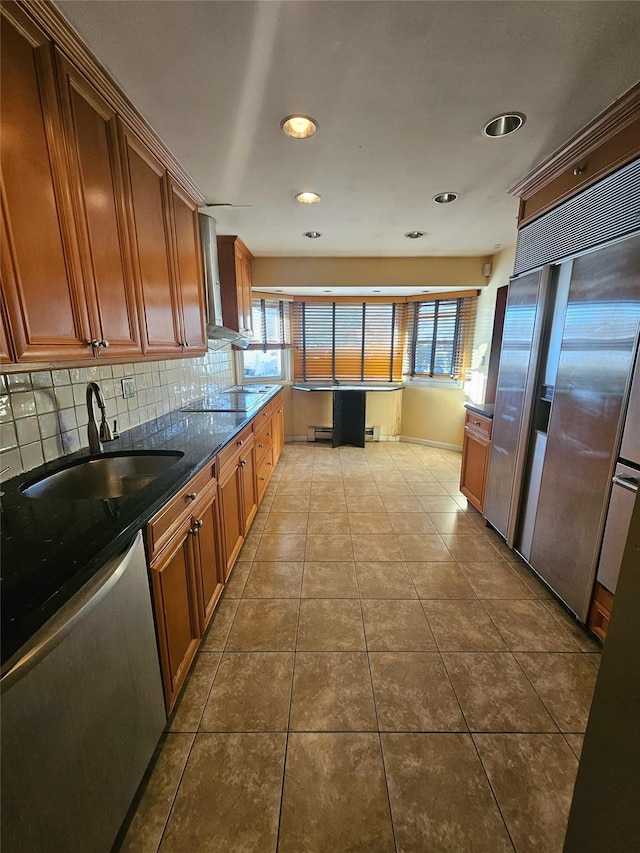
(260, 364)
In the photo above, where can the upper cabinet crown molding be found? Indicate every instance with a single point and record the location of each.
(608, 142)
(46, 14)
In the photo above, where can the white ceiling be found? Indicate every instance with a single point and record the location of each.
(401, 91)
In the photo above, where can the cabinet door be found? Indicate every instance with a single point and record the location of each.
(232, 515)
(247, 467)
(40, 265)
(475, 458)
(96, 175)
(243, 284)
(210, 581)
(91, 132)
(277, 420)
(188, 263)
(149, 227)
(174, 599)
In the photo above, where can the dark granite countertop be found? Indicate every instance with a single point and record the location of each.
(485, 409)
(51, 548)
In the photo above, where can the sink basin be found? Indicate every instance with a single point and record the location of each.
(108, 476)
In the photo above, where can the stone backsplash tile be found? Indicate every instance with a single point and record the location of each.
(43, 414)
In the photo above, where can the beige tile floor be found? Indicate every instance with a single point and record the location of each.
(382, 674)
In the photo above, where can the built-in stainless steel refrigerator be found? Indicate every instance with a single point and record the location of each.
(624, 489)
(570, 338)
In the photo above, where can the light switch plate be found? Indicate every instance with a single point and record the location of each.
(129, 387)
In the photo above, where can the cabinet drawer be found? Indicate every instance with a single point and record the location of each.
(231, 450)
(478, 424)
(264, 471)
(276, 403)
(162, 525)
(262, 418)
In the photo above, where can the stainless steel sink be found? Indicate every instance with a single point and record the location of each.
(107, 476)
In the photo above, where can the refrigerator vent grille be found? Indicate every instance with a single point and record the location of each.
(606, 211)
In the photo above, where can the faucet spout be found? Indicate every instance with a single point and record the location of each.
(105, 433)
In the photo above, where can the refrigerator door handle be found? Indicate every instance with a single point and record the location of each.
(626, 481)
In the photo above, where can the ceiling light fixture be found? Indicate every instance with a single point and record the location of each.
(299, 126)
(503, 125)
(414, 235)
(445, 198)
(307, 198)
(312, 235)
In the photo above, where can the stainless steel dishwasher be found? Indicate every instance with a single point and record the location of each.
(82, 712)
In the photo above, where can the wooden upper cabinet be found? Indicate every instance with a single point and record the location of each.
(188, 265)
(234, 262)
(41, 273)
(147, 208)
(6, 350)
(607, 143)
(97, 193)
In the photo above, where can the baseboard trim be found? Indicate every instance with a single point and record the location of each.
(439, 444)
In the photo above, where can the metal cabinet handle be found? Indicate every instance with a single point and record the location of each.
(197, 524)
(627, 482)
(580, 170)
(261, 445)
(104, 343)
(95, 343)
(476, 423)
(242, 463)
(240, 442)
(192, 495)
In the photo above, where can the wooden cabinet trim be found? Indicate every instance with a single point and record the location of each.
(616, 119)
(54, 23)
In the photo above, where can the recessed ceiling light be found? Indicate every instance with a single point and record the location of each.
(299, 126)
(328, 291)
(278, 290)
(312, 235)
(307, 198)
(377, 291)
(504, 124)
(414, 235)
(445, 198)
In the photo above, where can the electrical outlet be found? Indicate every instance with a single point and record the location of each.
(129, 387)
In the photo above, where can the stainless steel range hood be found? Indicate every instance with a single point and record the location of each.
(217, 334)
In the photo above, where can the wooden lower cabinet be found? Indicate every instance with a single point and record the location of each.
(475, 458)
(194, 540)
(231, 515)
(600, 611)
(173, 581)
(209, 576)
(238, 496)
(187, 582)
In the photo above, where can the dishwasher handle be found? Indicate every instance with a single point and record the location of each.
(60, 626)
(626, 481)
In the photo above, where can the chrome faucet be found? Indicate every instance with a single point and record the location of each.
(106, 433)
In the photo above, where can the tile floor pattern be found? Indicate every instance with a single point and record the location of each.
(382, 674)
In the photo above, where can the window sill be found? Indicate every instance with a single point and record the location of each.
(432, 383)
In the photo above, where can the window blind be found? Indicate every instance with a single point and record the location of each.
(439, 342)
(348, 340)
(270, 324)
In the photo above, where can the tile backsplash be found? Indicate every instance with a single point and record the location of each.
(43, 414)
